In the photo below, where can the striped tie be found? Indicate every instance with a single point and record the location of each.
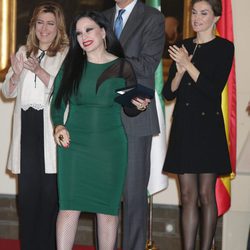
(119, 23)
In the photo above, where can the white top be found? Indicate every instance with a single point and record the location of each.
(31, 91)
(52, 66)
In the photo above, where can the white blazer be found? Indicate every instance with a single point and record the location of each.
(52, 66)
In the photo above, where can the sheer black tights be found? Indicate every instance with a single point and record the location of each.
(198, 189)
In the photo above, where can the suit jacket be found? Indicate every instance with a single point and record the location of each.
(142, 39)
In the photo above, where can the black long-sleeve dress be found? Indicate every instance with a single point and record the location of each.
(197, 142)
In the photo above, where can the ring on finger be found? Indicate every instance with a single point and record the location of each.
(60, 137)
(141, 108)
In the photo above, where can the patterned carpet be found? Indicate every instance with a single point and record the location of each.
(14, 245)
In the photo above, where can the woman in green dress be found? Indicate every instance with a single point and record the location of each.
(92, 158)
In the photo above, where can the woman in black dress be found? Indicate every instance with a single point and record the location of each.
(198, 150)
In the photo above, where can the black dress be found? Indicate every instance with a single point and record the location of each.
(197, 142)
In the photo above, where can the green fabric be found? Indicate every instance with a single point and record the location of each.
(153, 3)
(159, 84)
(92, 170)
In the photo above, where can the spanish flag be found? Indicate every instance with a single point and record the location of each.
(223, 184)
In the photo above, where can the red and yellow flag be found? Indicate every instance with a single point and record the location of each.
(223, 184)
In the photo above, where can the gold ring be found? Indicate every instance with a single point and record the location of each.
(141, 108)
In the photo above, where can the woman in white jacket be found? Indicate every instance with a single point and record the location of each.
(33, 150)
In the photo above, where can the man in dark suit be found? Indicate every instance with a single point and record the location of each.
(142, 38)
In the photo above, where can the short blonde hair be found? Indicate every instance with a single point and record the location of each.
(61, 39)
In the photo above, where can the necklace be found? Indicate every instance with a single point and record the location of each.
(195, 48)
(198, 43)
(39, 58)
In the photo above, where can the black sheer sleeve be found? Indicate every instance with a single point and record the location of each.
(122, 69)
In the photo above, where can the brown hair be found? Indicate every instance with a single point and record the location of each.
(61, 39)
(216, 5)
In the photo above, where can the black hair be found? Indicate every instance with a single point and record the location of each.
(75, 61)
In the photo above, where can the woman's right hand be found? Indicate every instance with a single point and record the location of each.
(17, 64)
(61, 135)
(180, 56)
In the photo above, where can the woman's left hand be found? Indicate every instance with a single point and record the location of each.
(141, 104)
(61, 135)
(32, 64)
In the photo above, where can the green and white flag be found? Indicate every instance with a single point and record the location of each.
(157, 180)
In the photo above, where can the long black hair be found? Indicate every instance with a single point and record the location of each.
(75, 61)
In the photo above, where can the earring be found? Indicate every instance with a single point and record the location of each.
(214, 29)
(105, 43)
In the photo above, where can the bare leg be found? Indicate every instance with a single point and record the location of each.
(107, 231)
(190, 211)
(208, 209)
(66, 227)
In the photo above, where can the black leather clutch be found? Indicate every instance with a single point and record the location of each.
(127, 94)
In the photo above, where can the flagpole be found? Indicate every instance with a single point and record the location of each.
(150, 243)
(158, 87)
(213, 245)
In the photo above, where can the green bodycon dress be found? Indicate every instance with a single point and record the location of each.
(92, 170)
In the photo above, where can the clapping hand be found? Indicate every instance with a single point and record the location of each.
(180, 56)
(32, 64)
(17, 64)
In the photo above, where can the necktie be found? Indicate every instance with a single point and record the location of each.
(119, 23)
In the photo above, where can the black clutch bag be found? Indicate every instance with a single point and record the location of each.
(127, 94)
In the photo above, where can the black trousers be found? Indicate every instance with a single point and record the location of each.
(37, 191)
